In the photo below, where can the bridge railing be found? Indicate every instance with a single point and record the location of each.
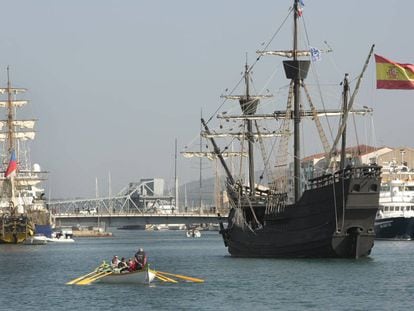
(126, 214)
(120, 205)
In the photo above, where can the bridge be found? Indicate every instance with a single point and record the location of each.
(136, 205)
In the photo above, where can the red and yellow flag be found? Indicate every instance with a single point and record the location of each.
(392, 75)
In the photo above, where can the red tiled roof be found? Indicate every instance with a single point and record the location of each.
(355, 150)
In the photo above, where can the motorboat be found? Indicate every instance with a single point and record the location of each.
(193, 233)
(37, 239)
(61, 237)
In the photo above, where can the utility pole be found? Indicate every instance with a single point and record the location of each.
(176, 178)
(201, 165)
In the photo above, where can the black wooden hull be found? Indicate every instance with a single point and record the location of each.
(401, 228)
(335, 220)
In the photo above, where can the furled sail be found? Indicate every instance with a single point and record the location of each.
(23, 124)
(212, 155)
(304, 113)
(14, 103)
(289, 53)
(243, 135)
(12, 90)
(19, 135)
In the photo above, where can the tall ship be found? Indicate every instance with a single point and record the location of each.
(395, 218)
(288, 210)
(23, 209)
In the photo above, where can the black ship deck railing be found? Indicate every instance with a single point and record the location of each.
(372, 171)
(260, 194)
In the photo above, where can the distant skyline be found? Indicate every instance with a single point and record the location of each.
(113, 83)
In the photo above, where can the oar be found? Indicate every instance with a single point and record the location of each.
(165, 278)
(161, 278)
(101, 268)
(81, 277)
(188, 278)
(88, 281)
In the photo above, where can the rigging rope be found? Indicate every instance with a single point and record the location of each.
(281, 157)
(252, 66)
(318, 123)
(269, 174)
(315, 74)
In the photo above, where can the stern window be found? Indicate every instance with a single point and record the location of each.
(373, 188)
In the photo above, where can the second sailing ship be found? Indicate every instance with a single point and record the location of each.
(22, 201)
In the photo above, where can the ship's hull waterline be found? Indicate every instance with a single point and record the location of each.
(399, 228)
(323, 223)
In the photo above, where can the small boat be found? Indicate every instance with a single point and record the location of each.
(145, 276)
(37, 239)
(61, 237)
(106, 274)
(193, 233)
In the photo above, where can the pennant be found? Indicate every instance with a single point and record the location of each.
(301, 4)
(12, 167)
(315, 54)
(392, 75)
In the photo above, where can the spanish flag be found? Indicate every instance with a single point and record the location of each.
(392, 75)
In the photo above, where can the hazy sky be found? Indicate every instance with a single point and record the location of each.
(113, 83)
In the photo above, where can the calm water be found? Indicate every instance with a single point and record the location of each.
(34, 277)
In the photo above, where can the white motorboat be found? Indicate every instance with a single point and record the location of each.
(37, 239)
(193, 233)
(61, 237)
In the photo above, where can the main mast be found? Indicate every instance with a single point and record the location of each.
(296, 105)
(296, 70)
(10, 116)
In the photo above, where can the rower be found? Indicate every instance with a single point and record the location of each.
(140, 259)
(115, 262)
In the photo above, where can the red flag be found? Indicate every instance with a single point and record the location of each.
(392, 75)
(12, 167)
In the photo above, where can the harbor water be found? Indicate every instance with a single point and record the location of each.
(33, 277)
